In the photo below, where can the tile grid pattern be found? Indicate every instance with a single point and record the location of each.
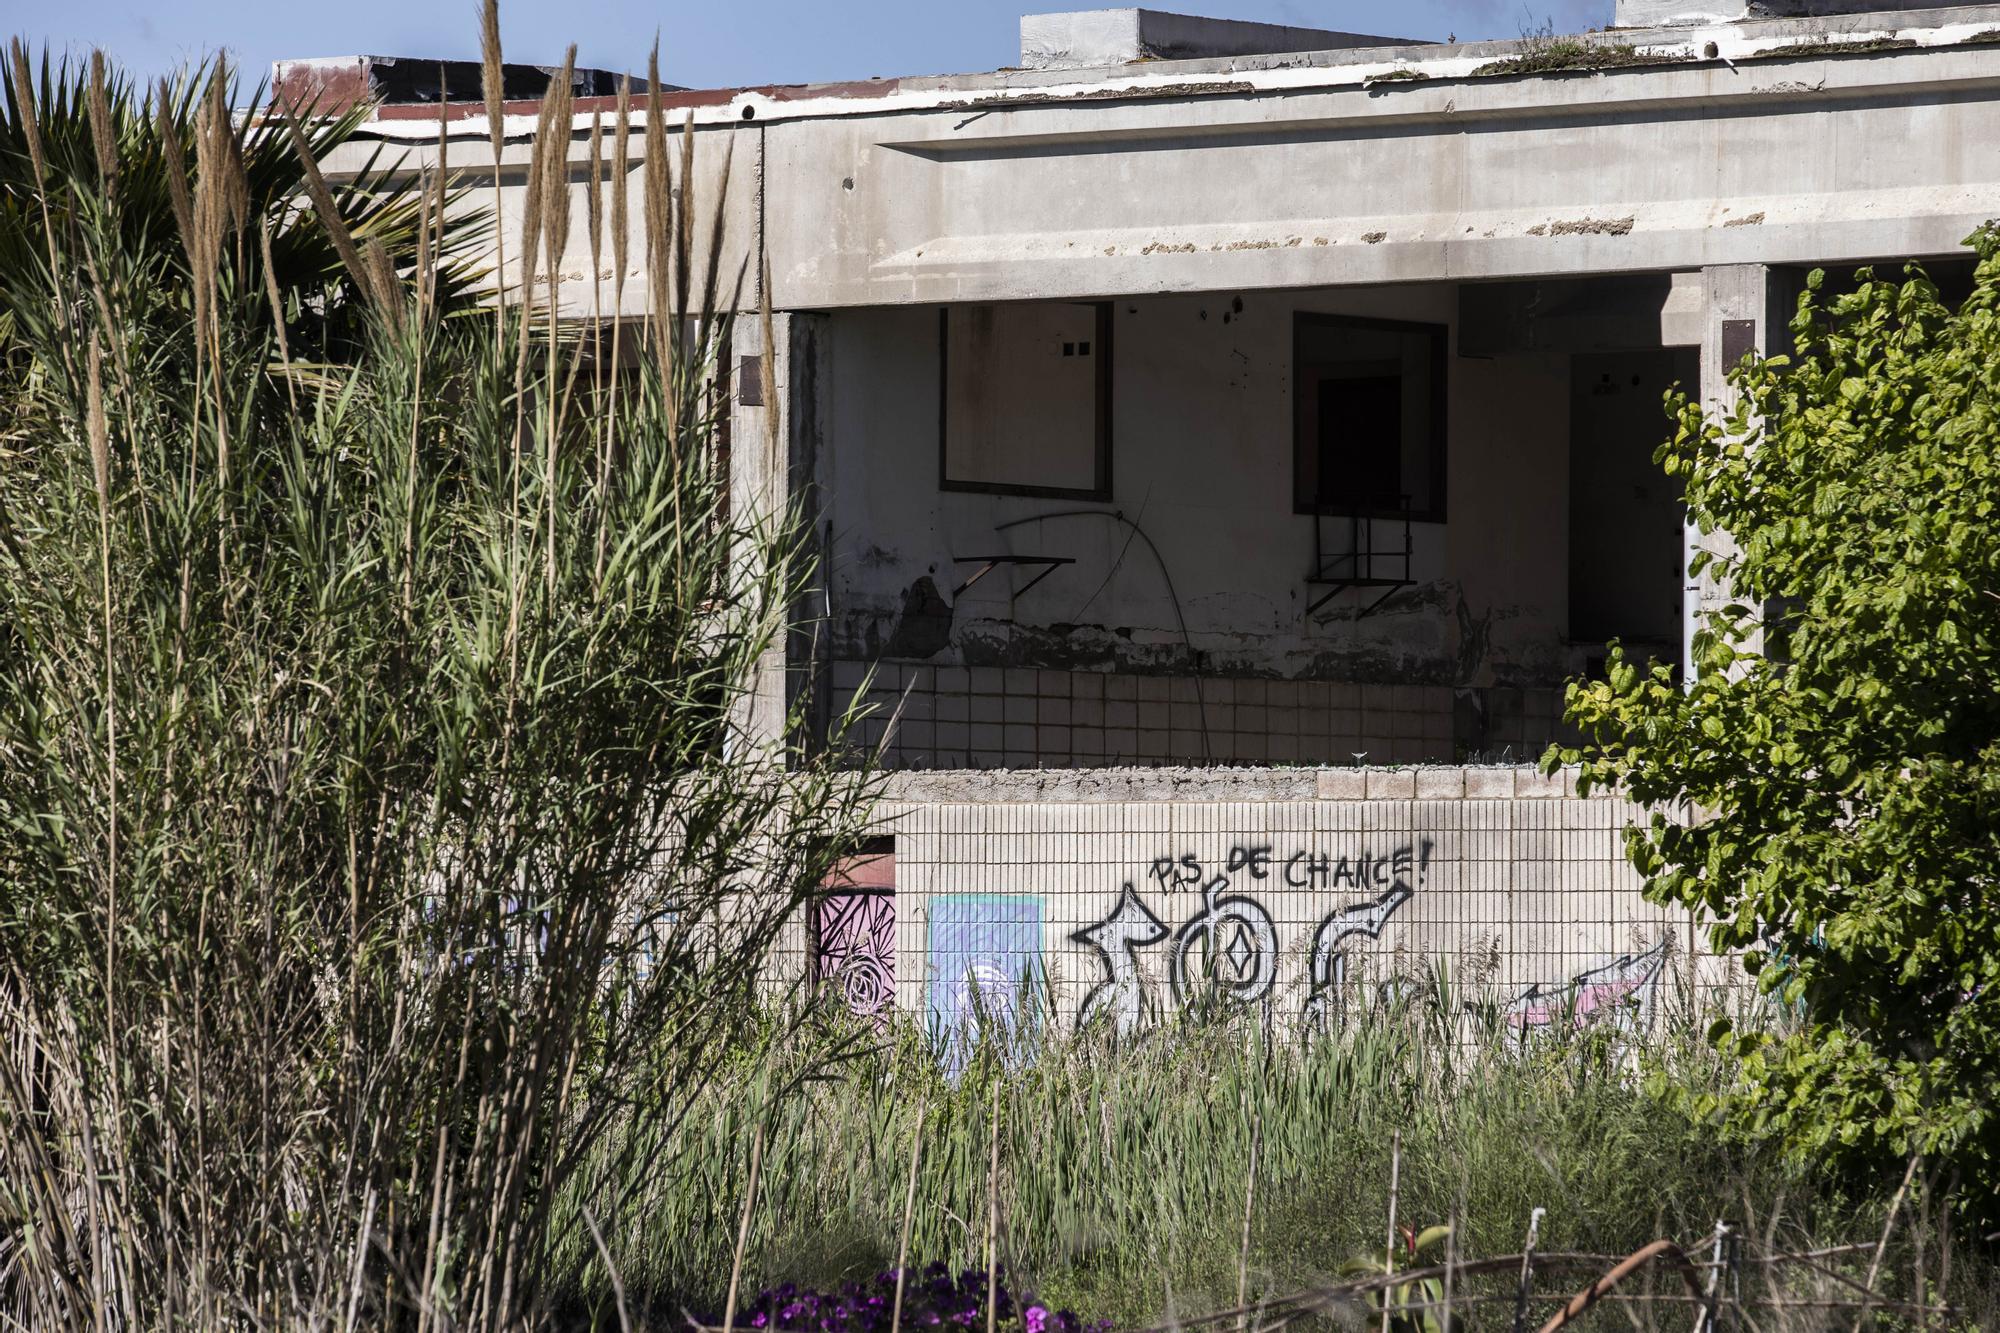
(1025, 717)
(1520, 898)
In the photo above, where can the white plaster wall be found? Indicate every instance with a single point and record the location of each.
(1202, 460)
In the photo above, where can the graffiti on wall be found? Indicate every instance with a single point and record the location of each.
(1118, 939)
(1620, 991)
(856, 953)
(983, 948)
(1227, 947)
(853, 931)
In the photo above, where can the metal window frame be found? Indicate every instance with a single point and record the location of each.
(1102, 461)
(1440, 336)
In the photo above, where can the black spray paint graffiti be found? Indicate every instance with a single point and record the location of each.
(1227, 948)
(1118, 939)
(1329, 959)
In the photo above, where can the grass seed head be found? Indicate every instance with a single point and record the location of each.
(174, 155)
(491, 76)
(103, 129)
(99, 428)
(621, 221)
(557, 108)
(25, 114)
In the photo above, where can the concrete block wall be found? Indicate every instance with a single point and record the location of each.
(944, 717)
(1131, 892)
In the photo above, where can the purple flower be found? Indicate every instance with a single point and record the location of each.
(934, 1298)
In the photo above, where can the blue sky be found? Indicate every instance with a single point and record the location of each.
(702, 44)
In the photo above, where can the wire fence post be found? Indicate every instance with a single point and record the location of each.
(1527, 1269)
(1714, 1293)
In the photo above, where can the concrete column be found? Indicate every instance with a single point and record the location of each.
(1744, 314)
(771, 471)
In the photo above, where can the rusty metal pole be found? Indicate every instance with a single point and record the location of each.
(1527, 1269)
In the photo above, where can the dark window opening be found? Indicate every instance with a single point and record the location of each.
(1369, 417)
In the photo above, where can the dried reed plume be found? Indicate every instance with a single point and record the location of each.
(492, 88)
(555, 237)
(227, 152)
(594, 209)
(560, 106)
(621, 236)
(621, 218)
(684, 220)
(382, 275)
(210, 209)
(658, 204)
(532, 212)
(174, 157)
(430, 234)
(593, 199)
(25, 114)
(103, 133)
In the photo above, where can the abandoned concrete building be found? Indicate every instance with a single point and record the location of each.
(1224, 440)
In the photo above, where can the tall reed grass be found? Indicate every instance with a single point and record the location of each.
(378, 821)
(1126, 1169)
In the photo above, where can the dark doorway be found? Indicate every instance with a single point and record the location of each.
(1627, 551)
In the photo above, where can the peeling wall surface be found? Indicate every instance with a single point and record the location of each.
(1197, 564)
(1132, 896)
(1587, 229)
(1848, 138)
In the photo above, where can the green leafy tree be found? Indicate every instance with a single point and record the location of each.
(1831, 803)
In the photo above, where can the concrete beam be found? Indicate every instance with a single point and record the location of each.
(1218, 179)
(1672, 13)
(1101, 37)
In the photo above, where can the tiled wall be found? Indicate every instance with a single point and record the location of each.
(1023, 717)
(1297, 890)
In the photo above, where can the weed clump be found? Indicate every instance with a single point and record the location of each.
(1542, 51)
(1575, 53)
(1833, 46)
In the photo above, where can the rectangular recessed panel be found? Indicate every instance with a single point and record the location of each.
(1739, 339)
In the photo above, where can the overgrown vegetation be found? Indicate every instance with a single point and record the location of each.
(1125, 1171)
(376, 820)
(1543, 51)
(390, 875)
(1842, 737)
(1832, 46)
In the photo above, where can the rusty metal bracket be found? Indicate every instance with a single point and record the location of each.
(988, 563)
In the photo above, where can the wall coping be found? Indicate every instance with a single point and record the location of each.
(1440, 782)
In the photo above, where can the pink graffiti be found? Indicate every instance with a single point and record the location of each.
(1615, 988)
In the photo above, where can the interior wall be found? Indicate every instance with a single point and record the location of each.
(1202, 439)
(1628, 556)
